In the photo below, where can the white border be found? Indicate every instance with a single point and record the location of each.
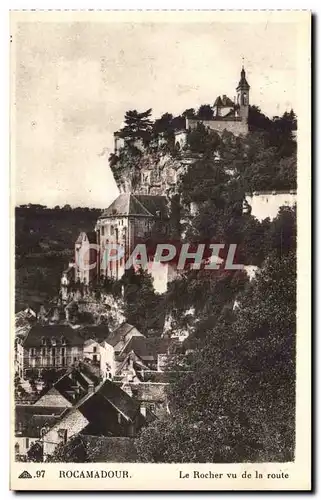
(4, 177)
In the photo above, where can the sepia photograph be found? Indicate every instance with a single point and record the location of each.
(160, 193)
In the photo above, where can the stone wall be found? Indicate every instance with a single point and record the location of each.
(73, 423)
(237, 126)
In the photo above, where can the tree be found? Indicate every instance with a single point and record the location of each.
(205, 112)
(137, 125)
(237, 402)
(73, 451)
(201, 140)
(163, 124)
(257, 120)
(141, 301)
(189, 113)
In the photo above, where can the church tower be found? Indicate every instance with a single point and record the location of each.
(243, 96)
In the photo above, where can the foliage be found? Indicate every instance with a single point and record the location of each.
(41, 236)
(137, 125)
(73, 451)
(205, 112)
(237, 404)
(142, 302)
(201, 140)
(189, 113)
(279, 131)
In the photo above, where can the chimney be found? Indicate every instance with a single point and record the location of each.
(91, 389)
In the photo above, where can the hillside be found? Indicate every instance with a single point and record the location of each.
(44, 240)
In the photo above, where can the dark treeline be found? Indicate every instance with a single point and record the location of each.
(44, 240)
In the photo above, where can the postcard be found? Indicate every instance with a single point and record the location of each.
(161, 239)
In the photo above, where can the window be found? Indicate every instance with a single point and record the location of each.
(152, 407)
(43, 351)
(53, 351)
(53, 341)
(43, 341)
(63, 340)
(112, 230)
(27, 443)
(95, 349)
(95, 358)
(102, 230)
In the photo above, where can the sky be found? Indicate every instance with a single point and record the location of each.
(75, 81)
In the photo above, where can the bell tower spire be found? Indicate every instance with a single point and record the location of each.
(243, 95)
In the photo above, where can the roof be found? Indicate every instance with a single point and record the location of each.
(91, 235)
(23, 321)
(137, 362)
(223, 102)
(38, 333)
(74, 384)
(30, 419)
(120, 333)
(126, 204)
(136, 205)
(148, 348)
(243, 82)
(95, 332)
(154, 203)
(229, 115)
(95, 407)
(226, 101)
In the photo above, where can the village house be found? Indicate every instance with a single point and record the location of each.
(151, 396)
(47, 347)
(31, 423)
(150, 352)
(106, 411)
(70, 387)
(113, 345)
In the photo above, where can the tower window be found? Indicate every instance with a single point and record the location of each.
(244, 100)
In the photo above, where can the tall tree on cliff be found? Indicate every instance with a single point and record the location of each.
(238, 402)
(137, 125)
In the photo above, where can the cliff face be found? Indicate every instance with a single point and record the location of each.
(148, 171)
(88, 307)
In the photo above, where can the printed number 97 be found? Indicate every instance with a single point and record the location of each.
(40, 473)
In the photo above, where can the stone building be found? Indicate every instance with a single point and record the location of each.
(47, 347)
(126, 222)
(227, 114)
(86, 257)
